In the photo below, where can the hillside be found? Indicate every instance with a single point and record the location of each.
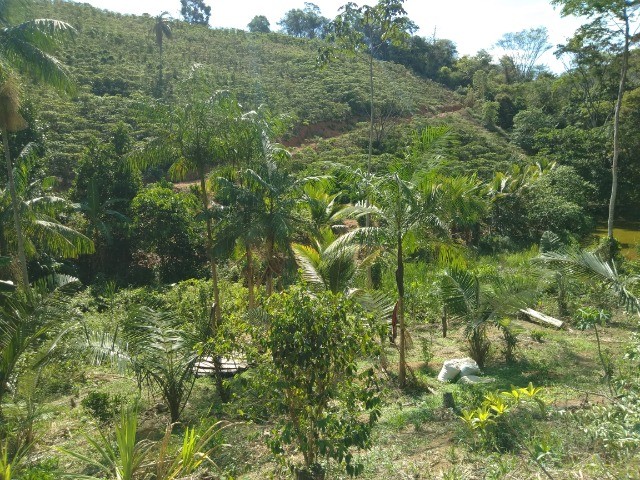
(115, 60)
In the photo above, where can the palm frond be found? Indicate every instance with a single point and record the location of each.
(308, 260)
(25, 46)
(60, 239)
(589, 267)
(376, 302)
(460, 292)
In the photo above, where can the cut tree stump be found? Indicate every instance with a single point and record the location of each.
(538, 317)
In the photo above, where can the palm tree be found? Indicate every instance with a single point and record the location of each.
(198, 136)
(590, 267)
(37, 209)
(331, 263)
(25, 46)
(27, 320)
(479, 307)
(239, 223)
(162, 354)
(161, 30)
(97, 212)
(323, 208)
(261, 210)
(195, 137)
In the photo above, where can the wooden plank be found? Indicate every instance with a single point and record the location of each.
(541, 317)
(228, 366)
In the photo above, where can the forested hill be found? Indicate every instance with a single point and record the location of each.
(115, 61)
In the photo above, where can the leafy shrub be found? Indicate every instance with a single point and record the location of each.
(102, 406)
(501, 416)
(328, 407)
(538, 335)
(46, 470)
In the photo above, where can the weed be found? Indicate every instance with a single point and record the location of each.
(538, 335)
(102, 406)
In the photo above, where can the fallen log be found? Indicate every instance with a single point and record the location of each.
(538, 317)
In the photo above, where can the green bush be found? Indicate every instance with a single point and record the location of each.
(102, 406)
(498, 422)
(328, 406)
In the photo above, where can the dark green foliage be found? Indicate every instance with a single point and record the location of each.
(195, 12)
(102, 406)
(584, 150)
(305, 23)
(526, 123)
(164, 227)
(425, 57)
(259, 24)
(559, 202)
(314, 343)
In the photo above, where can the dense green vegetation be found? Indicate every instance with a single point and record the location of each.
(230, 254)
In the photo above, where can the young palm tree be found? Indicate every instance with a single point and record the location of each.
(330, 263)
(589, 267)
(323, 208)
(25, 47)
(27, 320)
(479, 307)
(162, 354)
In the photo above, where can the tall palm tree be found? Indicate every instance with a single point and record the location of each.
(239, 223)
(261, 211)
(407, 206)
(161, 30)
(37, 208)
(195, 137)
(26, 48)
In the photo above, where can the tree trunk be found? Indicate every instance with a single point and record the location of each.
(616, 130)
(402, 372)
(369, 156)
(212, 262)
(269, 272)
(215, 308)
(160, 74)
(250, 286)
(22, 259)
(370, 153)
(444, 322)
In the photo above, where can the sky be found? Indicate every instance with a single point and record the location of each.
(471, 24)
